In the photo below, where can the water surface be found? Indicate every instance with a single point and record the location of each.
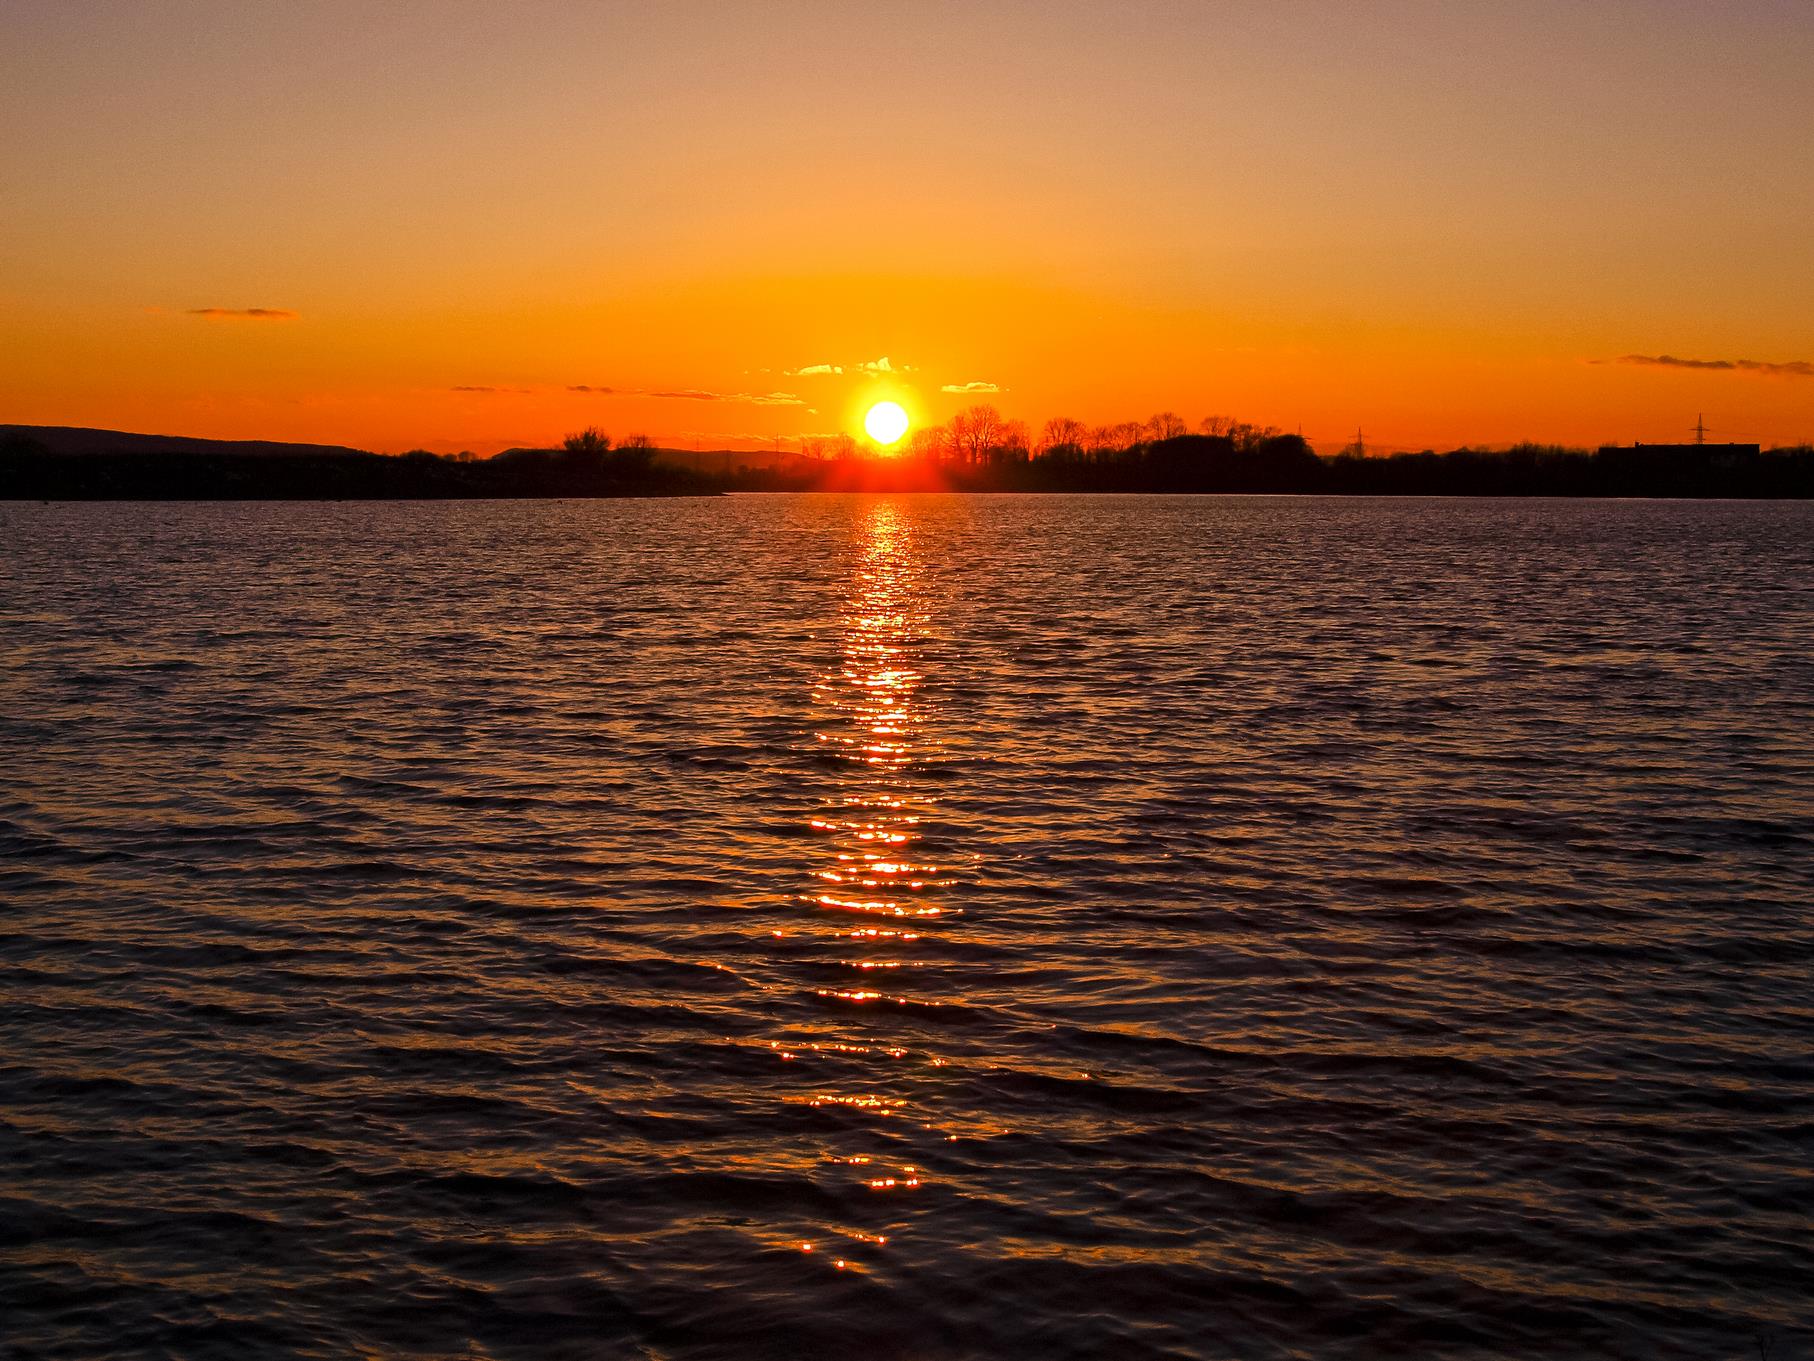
(910, 926)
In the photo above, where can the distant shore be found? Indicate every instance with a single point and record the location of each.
(38, 475)
(163, 468)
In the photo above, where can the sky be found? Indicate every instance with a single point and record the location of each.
(457, 225)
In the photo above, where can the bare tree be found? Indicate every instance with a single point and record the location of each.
(928, 442)
(974, 432)
(1012, 442)
(591, 440)
(1165, 425)
(1063, 437)
(637, 452)
(1248, 436)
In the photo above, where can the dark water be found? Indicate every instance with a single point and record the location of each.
(907, 927)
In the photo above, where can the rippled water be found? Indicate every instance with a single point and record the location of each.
(910, 927)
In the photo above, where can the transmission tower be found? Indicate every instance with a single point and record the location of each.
(1700, 429)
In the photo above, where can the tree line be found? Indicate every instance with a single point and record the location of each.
(981, 434)
(977, 450)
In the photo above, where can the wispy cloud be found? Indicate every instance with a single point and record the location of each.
(1794, 368)
(244, 313)
(690, 395)
(966, 389)
(869, 366)
(482, 388)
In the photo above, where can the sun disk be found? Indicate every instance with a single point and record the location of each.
(886, 422)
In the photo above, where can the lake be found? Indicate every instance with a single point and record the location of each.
(910, 927)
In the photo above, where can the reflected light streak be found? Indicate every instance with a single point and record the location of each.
(873, 732)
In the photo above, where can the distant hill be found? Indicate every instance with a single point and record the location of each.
(77, 441)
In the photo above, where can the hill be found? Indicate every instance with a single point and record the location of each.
(80, 441)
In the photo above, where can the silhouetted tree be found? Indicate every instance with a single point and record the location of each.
(591, 440)
(1165, 425)
(974, 432)
(928, 442)
(1011, 443)
(1248, 437)
(636, 454)
(1062, 438)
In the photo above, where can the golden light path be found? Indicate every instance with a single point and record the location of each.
(873, 899)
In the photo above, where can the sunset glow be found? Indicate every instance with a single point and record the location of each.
(1016, 679)
(475, 227)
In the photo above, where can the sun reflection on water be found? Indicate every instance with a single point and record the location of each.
(875, 889)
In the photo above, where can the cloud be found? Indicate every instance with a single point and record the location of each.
(966, 389)
(689, 395)
(870, 366)
(754, 398)
(480, 387)
(1794, 368)
(243, 313)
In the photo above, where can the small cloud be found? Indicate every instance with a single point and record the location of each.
(1794, 368)
(683, 394)
(753, 398)
(869, 366)
(969, 389)
(479, 387)
(243, 313)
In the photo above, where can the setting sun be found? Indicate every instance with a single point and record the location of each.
(886, 422)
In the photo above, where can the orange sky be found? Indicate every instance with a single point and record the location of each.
(1434, 220)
